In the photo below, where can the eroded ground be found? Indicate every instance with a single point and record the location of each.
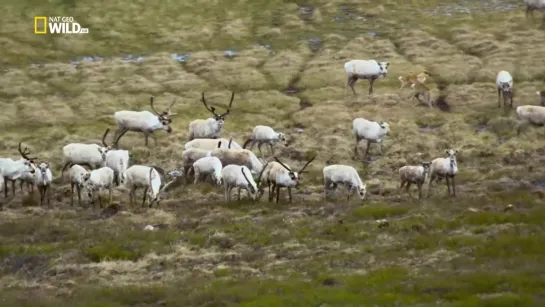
(288, 73)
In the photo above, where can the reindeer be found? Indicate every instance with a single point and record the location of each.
(11, 170)
(143, 121)
(209, 128)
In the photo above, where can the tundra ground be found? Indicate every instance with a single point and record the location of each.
(288, 73)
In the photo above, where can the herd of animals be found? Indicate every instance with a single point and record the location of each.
(222, 161)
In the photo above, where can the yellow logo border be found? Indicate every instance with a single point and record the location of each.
(36, 19)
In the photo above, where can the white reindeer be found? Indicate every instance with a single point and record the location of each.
(118, 161)
(364, 69)
(371, 131)
(504, 84)
(530, 114)
(336, 174)
(238, 176)
(239, 157)
(43, 178)
(445, 168)
(210, 144)
(11, 170)
(279, 175)
(416, 174)
(77, 174)
(96, 181)
(144, 122)
(147, 177)
(91, 155)
(209, 128)
(190, 156)
(265, 135)
(208, 166)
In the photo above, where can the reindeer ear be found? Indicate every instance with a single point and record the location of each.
(447, 151)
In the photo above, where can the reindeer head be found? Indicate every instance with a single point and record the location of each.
(220, 119)
(154, 195)
(252, 187)
(384, 126)
(362, 191)
(452, 155)
(426, 166)
(383, 68)
(28, 161)
(165, 116)
(295, 176)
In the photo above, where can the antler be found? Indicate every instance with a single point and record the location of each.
(170, 107)
(168, 184)
(261, 174)
(151, 105)
(243, 174)
(104, 137)
(211, 109)
(284, 165)
(305, 166)
(230, 104)
(25, 152)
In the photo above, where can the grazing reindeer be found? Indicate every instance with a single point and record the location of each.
(532, 5)
(280, 175)
(209, 128)
(143, 121)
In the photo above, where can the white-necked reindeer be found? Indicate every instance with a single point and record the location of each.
(147, 177)
(43, 178)
(143, 121)
(11, 170)
(209, 128)
(280, 175)
(91, 155)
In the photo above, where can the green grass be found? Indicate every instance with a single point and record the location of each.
(469, 251)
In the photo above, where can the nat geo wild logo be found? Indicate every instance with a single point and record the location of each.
(57, 25)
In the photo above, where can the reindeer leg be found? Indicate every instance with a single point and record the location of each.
(146, 136)
(145, 195)
(352, 83)
(132, 195)
(499, 96)
(13, 186)
(72, 185)
(453, 186)
(407, 188)
(259, 148)
(420, 191)
(110, 192)
(349, 192)
(371, 81)
(5, 187)
(277, 193)
(448, 185)
(367, 150)
(100, 199)
(289, 195)
(21, 183)
(48, 195)
(272, 149)
(356, 147)
(239, 193)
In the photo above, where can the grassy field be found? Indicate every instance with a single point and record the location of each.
(463, 251)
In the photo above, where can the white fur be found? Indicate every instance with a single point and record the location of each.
(445, 168)
(11, 170)
(43, 178)
(239, 157)
(143, 121)
(280, 175)
(93, 155)
(364, 69)
(191, 155)
(76, 175)
(532, 114)
(210, 144)
(233, 178)
(504, 85)
(28, 178)
(209, 128)
(97, 180)
(265, 135)
(416, 174)
(208, 166)
(371, 131)
(336, 174)
(118, 161)
(141, 176)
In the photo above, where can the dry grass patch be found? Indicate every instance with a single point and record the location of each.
(438, 56)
